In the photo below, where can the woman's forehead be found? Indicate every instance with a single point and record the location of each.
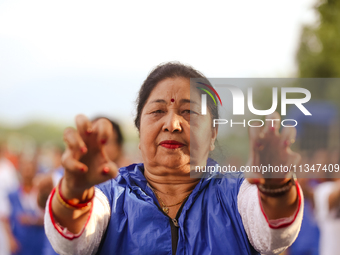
(174, 90)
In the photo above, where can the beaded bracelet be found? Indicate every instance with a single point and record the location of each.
(278, 191)
(71, 205)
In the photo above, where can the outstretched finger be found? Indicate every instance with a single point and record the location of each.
(72, 164)
(84, 125)
(109, 170)
(288, 136)
(104, 130)
(255, 134)
(294, 159)
(272, 125)
(74, 142)
(256, 144)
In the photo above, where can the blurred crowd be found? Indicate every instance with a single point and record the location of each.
(21, 218)
(27, 178)
(320, 229)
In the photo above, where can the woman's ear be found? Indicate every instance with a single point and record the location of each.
(213, 138)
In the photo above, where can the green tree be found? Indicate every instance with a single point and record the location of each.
(318, 55)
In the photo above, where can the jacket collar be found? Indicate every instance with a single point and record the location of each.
(134, 177)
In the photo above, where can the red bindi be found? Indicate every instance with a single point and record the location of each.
(172, 100)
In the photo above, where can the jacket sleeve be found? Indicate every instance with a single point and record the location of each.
(89, 238)
(267, 236)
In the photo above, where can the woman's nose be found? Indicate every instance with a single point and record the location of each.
(172, 122)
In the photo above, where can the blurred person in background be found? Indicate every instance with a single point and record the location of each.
(46, 182)
(26, 218)
(114, 146)
(8, 183)
(327, 211)
(307, 242)
(320, 229)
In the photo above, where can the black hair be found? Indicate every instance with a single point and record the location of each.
(162, 72)
(116, 128)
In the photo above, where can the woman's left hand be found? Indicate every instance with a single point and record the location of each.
(270, 148)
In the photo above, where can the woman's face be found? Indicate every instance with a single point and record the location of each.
(165, 140)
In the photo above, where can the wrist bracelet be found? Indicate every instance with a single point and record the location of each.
(71, 205)
(278, 191)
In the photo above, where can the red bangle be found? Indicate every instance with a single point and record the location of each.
(71, 204)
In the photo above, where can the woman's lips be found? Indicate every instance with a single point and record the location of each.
(171, 144)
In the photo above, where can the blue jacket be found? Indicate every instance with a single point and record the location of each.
(209, 222)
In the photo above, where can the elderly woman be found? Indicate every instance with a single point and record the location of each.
(155, 207)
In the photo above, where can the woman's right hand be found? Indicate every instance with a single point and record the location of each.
(85, 160)
(86, 164)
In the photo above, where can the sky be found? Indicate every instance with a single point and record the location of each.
(62, 58)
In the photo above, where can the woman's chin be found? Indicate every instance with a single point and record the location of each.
(175, 164)
(173, 150)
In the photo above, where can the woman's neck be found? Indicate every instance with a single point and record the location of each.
(173, 185)
(171, 190)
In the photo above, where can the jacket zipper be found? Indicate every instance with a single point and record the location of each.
(174, 226)
(175, 222)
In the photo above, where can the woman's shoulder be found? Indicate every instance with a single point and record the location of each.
(228, 183)
(223, 174)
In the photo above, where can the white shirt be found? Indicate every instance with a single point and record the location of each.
(8, 183)
(328, 220)
(8, 176)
